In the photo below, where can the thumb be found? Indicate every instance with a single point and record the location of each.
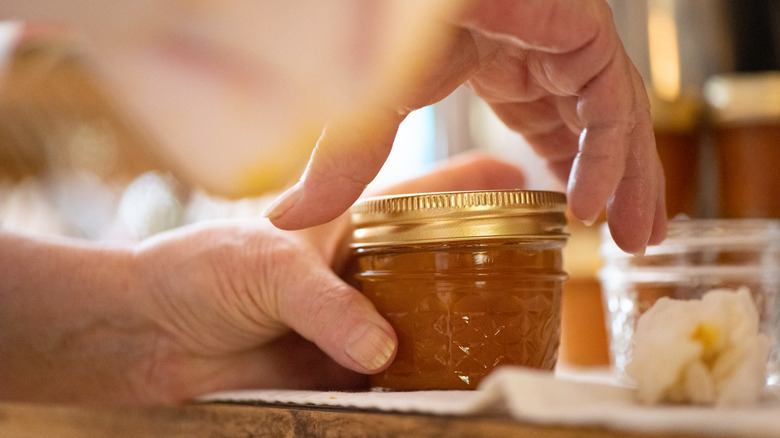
(348, 156)
(339, 319)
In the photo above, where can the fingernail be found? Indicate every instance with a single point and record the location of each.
(370, 346)
(283, 203)
(640, 253)
(589, 222)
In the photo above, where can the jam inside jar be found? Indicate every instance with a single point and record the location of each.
(469, 282)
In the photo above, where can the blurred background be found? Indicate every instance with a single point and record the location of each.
(71, 164)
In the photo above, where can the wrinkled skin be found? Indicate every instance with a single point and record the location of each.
(220, 306)
(554, 71)
(208, 307)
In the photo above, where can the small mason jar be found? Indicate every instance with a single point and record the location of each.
(469, 281)
(697, 256)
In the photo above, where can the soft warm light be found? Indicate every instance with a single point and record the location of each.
(663, 48)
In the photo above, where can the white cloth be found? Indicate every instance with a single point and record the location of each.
(542, 398)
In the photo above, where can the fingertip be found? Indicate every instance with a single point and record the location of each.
(634, 231)
(657, 237)
(371, 347)
(584, 209)
(630, 242)
(348, 156)
(308, 205)
(589, 222)
(283, 203)
(630, 225)
(590, 187)
(658, 233)
(342, 322)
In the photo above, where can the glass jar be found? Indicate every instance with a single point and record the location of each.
(677, 128)
(696, 257)
(583, 330)
(745, 109)
(469, 281)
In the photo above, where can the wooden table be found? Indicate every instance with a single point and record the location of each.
(264, 420)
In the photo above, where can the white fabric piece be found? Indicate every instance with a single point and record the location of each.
(542, 398)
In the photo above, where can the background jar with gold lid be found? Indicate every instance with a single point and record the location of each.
(745, 111)
(469, 280)
(677, 128)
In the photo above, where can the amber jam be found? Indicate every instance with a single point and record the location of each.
(469, 280)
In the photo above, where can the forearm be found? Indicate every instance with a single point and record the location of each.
(70, 331)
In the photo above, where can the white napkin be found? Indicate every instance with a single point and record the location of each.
(542, 398)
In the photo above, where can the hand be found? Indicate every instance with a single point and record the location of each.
(204, 308)
(227, 317)
(553, 70)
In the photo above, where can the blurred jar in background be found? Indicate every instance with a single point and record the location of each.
(678, 137)
(583, 327)
(745, 110)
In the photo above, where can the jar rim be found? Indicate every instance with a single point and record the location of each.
(461, 201)
(690, 234)
(461, 215)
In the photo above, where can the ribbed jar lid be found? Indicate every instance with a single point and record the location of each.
(458, 216)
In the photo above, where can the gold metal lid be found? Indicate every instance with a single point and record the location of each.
(458, 216)
(741, 97)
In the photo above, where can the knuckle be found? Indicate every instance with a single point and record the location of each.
(329, 306)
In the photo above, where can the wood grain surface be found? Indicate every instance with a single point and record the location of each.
(233, 420)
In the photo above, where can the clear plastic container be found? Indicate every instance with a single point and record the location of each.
(697, 256)
(469, 281)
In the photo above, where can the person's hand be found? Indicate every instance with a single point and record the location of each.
(553, 70)
(259, 309)
(208, 307)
